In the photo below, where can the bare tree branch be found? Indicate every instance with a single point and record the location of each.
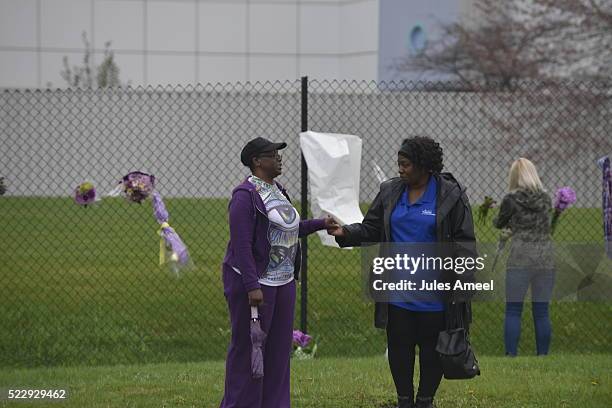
(522, 53)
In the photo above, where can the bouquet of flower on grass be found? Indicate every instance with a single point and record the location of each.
(304, 346)
(564, 198)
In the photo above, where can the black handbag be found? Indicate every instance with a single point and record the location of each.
(456, 354)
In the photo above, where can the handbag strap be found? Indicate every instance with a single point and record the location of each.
(455, 315)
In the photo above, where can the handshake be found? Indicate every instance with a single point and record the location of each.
(333, 228)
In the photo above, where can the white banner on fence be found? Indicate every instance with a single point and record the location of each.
(334, 164)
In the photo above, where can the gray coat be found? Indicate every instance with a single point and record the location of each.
(528, 215)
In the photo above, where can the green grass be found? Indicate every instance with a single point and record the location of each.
(81, 286)
(561, 381)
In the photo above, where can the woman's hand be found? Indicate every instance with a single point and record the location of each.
(330, 223)
(333, 228)
(256, 297)
(337, 232)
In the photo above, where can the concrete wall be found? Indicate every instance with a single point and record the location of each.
(50, 141)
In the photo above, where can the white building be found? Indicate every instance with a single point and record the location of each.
(198, 41)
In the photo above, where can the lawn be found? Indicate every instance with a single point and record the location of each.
(560, 381)
(80, 286)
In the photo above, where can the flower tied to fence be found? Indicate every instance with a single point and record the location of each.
(137, 186)
(564, 198)
(85, 194)
(483, 209)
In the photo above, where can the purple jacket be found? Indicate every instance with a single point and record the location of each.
(248, 249)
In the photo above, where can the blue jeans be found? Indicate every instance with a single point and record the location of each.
(518, 281)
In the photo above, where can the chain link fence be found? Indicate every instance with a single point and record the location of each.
(81, 285)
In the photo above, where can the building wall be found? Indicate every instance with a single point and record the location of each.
(398, 20)
(190, 41)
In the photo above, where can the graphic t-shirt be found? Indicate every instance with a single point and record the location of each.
(282, 233)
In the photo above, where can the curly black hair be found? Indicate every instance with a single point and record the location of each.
(423, 152)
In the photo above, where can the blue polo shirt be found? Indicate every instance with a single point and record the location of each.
(416, 223)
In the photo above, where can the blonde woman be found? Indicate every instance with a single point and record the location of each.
(526, 211)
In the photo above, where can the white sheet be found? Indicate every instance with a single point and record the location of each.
(334, 165)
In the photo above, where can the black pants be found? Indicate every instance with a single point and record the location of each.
(406, 329)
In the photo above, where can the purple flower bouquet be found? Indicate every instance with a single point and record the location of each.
(138, 186)
(564, 198)
(304, 347)
(85, 194)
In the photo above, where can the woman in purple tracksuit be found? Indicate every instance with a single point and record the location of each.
(260, 268)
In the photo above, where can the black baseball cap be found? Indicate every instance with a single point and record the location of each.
(257, 146)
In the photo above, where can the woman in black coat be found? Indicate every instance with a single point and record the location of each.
(422, 205)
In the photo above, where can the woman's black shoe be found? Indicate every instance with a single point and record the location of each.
(422, 402)
(405, 402)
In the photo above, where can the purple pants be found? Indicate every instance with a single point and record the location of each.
(271, 391)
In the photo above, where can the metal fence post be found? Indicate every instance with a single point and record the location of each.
(304, 212)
